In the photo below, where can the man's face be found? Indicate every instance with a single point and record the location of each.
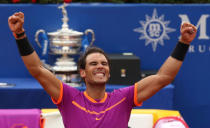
(96, 69)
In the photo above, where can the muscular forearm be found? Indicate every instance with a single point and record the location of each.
(32, 63)
(29, 56)
(172, 65)
(169, 70)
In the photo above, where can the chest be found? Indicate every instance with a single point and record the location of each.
(100, 115)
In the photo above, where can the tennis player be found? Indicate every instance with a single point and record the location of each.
(95, 108)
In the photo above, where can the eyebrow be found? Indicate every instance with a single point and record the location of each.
(97, 62)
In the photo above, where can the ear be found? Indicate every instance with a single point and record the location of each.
(82, 73)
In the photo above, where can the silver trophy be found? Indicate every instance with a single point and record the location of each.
(67, 43)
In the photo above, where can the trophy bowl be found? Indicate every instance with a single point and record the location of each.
(65, 41)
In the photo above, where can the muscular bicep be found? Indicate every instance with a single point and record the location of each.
(149, 86)
(46, 78)
(49, 82)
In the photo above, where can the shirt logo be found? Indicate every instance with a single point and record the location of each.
(154, 30)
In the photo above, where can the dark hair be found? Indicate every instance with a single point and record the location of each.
(82, 59)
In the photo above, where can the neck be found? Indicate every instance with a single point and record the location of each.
(95, 91)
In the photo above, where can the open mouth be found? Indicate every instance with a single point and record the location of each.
(99, 73)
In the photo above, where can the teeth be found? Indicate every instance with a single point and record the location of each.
(99, 74)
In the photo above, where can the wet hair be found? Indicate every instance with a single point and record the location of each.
(82, 59)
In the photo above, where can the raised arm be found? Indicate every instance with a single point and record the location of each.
(30, 58)
(148, 86)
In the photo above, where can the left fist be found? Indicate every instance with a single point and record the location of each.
(188, 32)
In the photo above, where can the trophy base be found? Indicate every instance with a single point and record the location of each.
(73, 80)
(74, 84)
(67, 75)
(64, 69)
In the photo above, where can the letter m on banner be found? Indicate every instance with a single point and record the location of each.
(201, 24)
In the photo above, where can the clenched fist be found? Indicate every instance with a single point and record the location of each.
(16, 22)
(188, 32)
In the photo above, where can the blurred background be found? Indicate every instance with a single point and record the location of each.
(147, 31)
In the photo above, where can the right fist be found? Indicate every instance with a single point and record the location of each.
(16, 22)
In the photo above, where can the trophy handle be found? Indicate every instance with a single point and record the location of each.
(93, 35)
(37, 35)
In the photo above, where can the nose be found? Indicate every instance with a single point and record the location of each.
(100, 65)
